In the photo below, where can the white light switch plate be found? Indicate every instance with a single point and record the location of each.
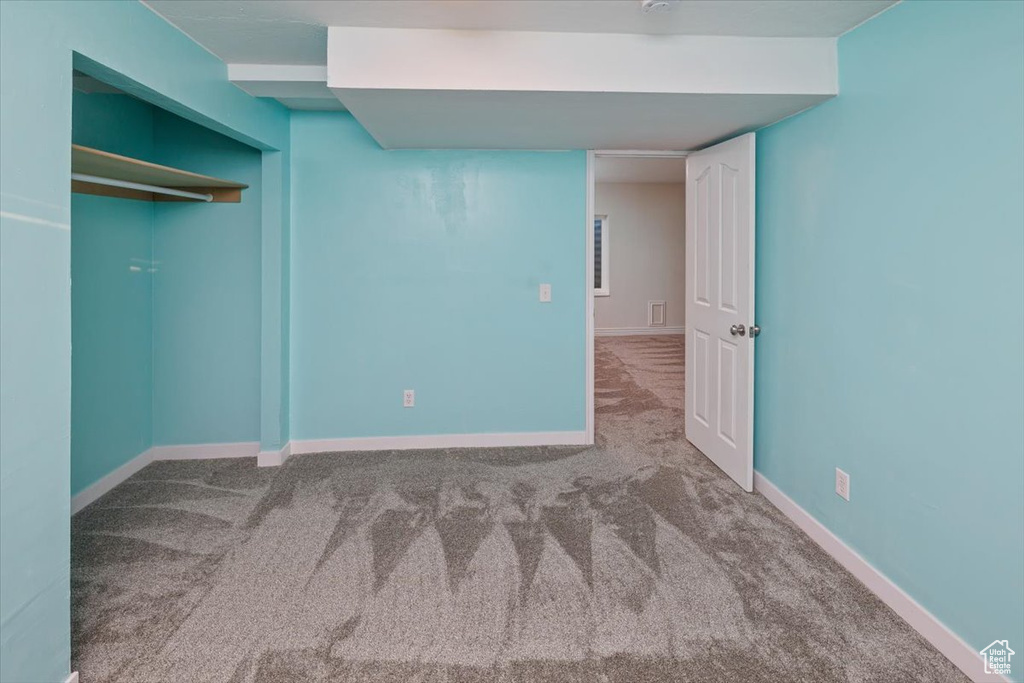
(545, 293)
(842, 484)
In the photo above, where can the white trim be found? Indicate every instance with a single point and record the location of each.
(636, 331)
(100, 487)
(72, 677)
(920, 619)
(640, 153)
(395, 443)
(588, 305)
(273, 458)
(206, 451)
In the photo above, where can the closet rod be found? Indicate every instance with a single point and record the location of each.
(97, 180)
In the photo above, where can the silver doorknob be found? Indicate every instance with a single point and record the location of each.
(738, 330)
(755, 330)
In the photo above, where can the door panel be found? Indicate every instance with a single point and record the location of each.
(727, 361)
(701, 356)
(720, 254)
(701, 271)
(727, 241)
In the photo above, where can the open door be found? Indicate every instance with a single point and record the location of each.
(720, 306)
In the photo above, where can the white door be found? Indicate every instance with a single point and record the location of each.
(720, 305)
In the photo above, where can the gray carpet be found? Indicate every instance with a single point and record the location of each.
(634, 561)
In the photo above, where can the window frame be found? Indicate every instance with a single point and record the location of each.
(605, 288)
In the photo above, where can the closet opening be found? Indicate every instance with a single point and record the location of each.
(165, 330)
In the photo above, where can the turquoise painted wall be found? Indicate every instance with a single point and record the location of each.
(113, 123)
(206, 295)
(170, 353)
(419, 270)
(139, 52)
(111, 300)
(275, 349)
(890, 286)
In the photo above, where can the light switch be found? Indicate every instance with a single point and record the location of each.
(545, 293)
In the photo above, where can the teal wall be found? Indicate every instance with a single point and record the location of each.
(130, 46)
(419, 270)
(890, 286)
(111, 300)
(206, 295)
(165, 296)
(275, 347)
(114, 123)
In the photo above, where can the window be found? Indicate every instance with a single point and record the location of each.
(601, 279)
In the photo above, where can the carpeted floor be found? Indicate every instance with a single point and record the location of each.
(634, 561)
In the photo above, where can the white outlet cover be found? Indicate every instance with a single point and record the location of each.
(545, 293)
(408, 398)
(842, 484)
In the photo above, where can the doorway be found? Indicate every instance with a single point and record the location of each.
(670, 310)
(638, 284)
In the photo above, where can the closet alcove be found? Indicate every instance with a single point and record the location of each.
(165, 285)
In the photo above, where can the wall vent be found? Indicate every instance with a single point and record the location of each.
(656, 314)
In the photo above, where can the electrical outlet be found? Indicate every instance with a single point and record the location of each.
(545, 293)
(842, 484)
(408, 398)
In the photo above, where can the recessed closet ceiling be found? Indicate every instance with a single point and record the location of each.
(295, 32)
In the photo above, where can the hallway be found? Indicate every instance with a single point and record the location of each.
(638, 391)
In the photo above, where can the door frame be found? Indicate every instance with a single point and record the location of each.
(588, 288)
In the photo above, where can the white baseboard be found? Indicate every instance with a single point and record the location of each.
(207, 451)
(244, 449)
(250, 449)
(636, 331)
(274, 458)
(97, 489)
(920, 619)
(72, 677)
(388, 443)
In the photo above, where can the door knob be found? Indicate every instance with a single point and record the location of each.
(755, 330)
(738, 330)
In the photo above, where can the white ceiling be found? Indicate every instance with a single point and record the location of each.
(417, 119)
(533, 74)
(426, 88)
(294, 32)
(639, 170)
(294, 86)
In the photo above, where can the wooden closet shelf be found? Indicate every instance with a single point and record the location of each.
(93, 162)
